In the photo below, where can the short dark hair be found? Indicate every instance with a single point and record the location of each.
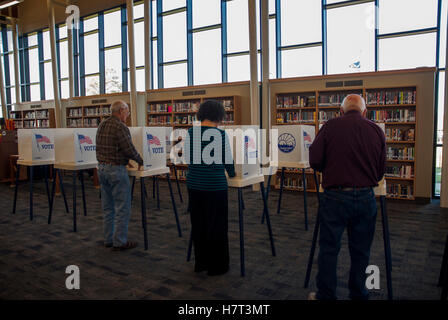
(211, 110)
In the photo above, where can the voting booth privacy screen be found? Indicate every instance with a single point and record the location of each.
(75, 145)
(244, 143)
(293, 144)
(36, 144)
(150, 143)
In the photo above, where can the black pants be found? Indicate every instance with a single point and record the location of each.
(209, 214)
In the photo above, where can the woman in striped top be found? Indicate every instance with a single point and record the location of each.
(210, 157)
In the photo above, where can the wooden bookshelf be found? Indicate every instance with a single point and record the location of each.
(34, 118)
(88, 116)
(395, 107)
(181, 114)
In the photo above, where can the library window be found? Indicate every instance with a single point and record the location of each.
(92, 85)
(172, 4)
(32, 39)
(207, 57)
(300, 22)
(206, 12)
(302, 62)
(404, 15)
(350, 42)
(272, 50)
(438, 171)
(154, 18)
(139, 10)
(12, 75)
(91, 53)
(237, 26)
(62, 32)
(65, 91)
(238, 68)
(47, 47)
(139, 40)
(63, 58)
(443, 27)
(13, 94)
(35, 92)
(112, 27)
(440, 107)
(175, 37)
(175, 75)
(113, 75)
(33, 55)
(271, 5)
(155, 69)
(90, 23)
(49, 91)
(401, 52)
(140, 79)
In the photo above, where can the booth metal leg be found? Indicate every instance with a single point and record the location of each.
(282, 179)
(157, 193)
(315, 234)
(53, 189)
(173, 202)
(267, 197)
(81, 174)
(177, 183)
(15, 190)
(46, 184)
(387, 250)
(268, 220)
(132, 188)
(305, 205)
(143, 206)
(154, 187)
(31, 191)
(74, 201)
(240, 213)
(190, 245)
(443, 278)
(61, 184)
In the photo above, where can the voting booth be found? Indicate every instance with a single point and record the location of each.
(150, 143)
(36, 144)
(75, 146)
(244, 142)
(293, 145)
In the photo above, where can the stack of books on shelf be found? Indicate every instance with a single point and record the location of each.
(228, 118)
(400, 153)
(29, 115)
(18, 124)
(327, 115)
(400, 190)
(400, 134)
(187, 106)
(94, 111)
(187, 119)
(386, 97)
(42, 123)
(16, 115)
(75, 112)
(105, 111)
(295, 101)
(74, 123)
(41, 114)
(91, 122)
(296, 117)
(403, 171)
(398, 115)
(333, 99)
(160, 107)
(159, 120)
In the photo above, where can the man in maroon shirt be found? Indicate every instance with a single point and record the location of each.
(350, 151)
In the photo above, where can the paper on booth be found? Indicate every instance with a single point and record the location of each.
(150, 143)
(75, 145)
(35, 144)
(293, 145)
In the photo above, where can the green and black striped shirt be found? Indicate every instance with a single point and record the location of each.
(203, 176)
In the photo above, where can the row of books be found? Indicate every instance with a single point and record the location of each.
(400, 190)
(181, 174)
(334, 99)
(403, 171)
(400, 153)
(296, 117)
(228, 118)
(74, 123)
(160, 107)
(75, 112)
(42, 123)
(399, 115)
(226, 103)
(16, 115)
(187, 106)
(91, 122)
(18, 124)
(162, 120)
(294, 101)
(400, 134)
(391, 97)
(189, 119)
(36, 115)
(104, 111)
(327, 115)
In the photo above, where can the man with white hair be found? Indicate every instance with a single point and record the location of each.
(350, 151)
(114, 148)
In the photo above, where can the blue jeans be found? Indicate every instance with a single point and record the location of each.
(116, 203)
(356, 211)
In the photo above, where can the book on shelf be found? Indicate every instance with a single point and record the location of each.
(332, 99)
(400, 134)
(296, 117)
(159, 120)
(187, 119)
(400, 153)
(398, 115)
(327, 115)
(387, 97)
(29, 115)
(41, 114)
(91, 122)
(295, 101)
(160, 107)
(187, 106)
(400, 190)
(75, 112)
(402, 171)
(74, 123)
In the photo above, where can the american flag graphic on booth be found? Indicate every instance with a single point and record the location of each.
(41, 138)
(152, 139)
(84, 139)
(306, 137)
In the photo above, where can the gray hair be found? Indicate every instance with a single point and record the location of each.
(353, 101)
(116, 106)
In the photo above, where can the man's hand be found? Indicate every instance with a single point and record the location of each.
(129, 165)
(140, 167)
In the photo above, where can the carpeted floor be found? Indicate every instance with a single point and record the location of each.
(34, 255)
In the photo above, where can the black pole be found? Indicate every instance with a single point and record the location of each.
(31, 192)
(174, 204)
(81, 176)
(305, 205)
(61, 184)
(53, 187)
(282, 178)
(268, 220)
(387, 250)
(240, 214)
(143, 207)
(15, 190)
(74, 201)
